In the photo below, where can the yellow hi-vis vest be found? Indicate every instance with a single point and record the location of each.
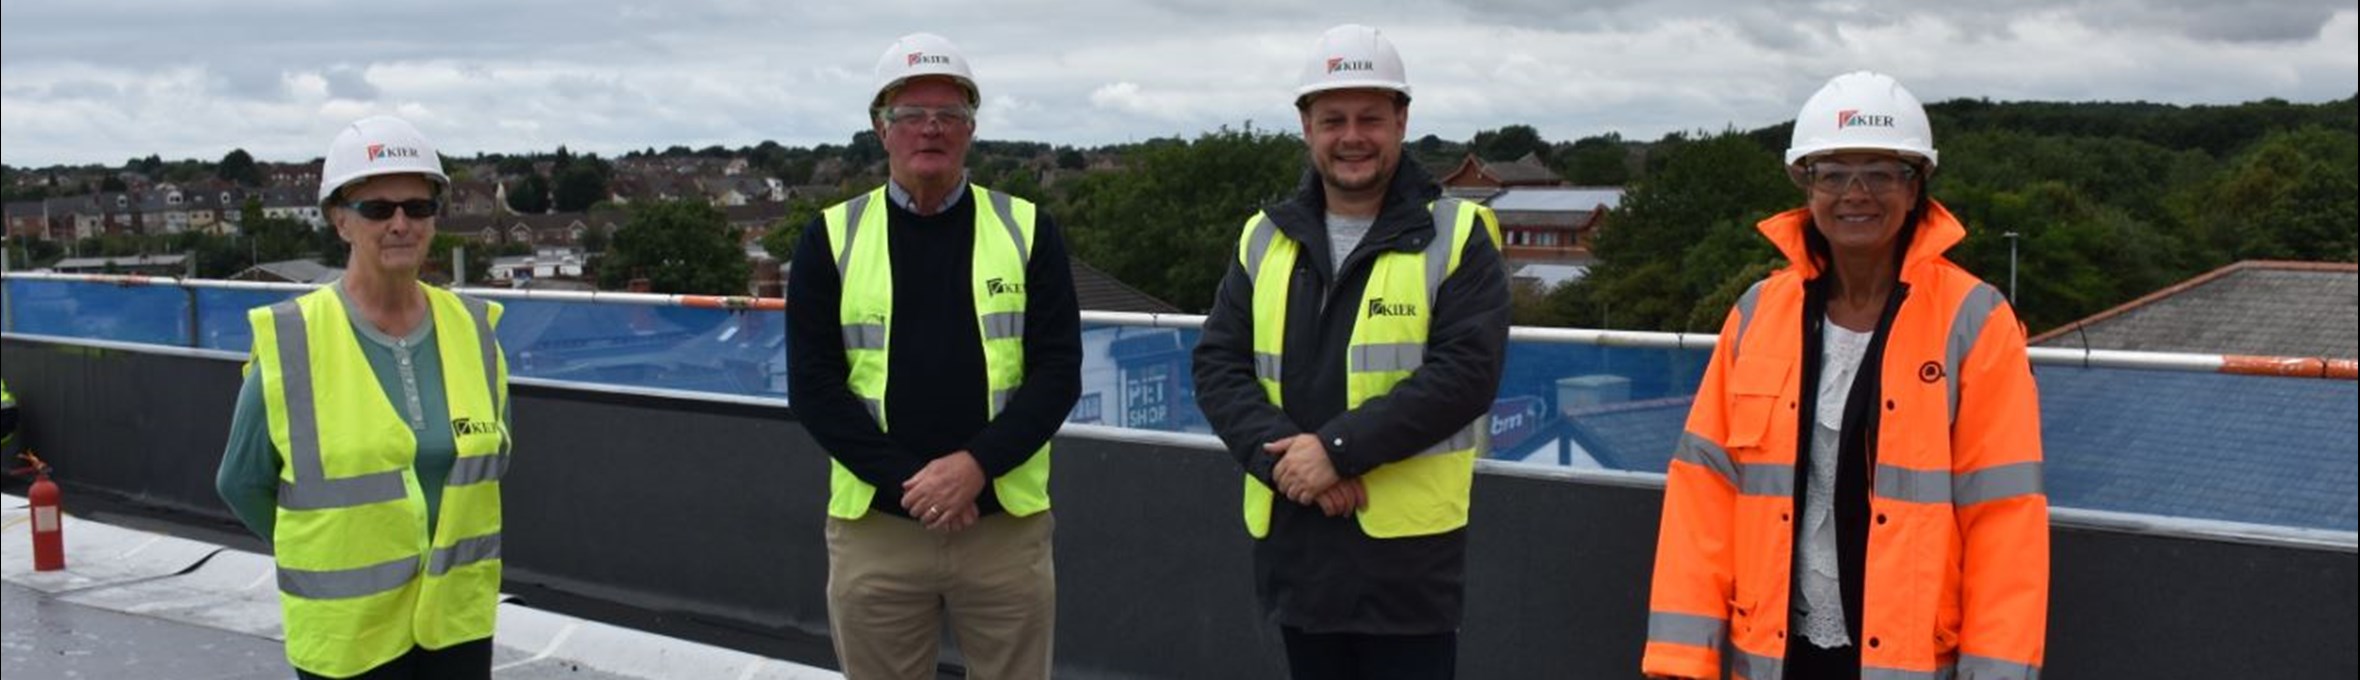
(856, 233)
(360, 581)
(1427, 493)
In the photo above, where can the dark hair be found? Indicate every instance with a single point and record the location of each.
(1303, 103)
(1816, 244)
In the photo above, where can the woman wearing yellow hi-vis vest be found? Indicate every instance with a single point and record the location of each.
(371, 434)
(1349, 361)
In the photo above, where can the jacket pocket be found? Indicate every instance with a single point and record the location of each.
(1755, 385)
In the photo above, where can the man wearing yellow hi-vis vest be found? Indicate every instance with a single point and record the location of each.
(1349, 363)
(371, 434)
(933, 347)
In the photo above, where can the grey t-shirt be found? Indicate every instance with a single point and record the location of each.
(1344, 234)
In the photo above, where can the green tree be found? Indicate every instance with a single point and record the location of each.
(1169, 222)
(1680, 235)
(679, 247)
(444, 246)
(787, 231)
(1602, 160)
(1510, 143)
(2288, 197)
(238, 167)
(579, 186)
(530, 196)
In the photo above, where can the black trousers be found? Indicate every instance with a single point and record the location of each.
(1356, 656)
(463, 661)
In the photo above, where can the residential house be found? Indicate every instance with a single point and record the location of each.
(301, 205)
(1478, 179)
(474, 198)
(28, 220)
(546, 262)
(1552, 224)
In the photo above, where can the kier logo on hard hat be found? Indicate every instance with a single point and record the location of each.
(917, 58)
(1335, 64)
(377, 151)
(1854, 118)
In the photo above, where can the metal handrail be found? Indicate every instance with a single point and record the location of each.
(2235, 364)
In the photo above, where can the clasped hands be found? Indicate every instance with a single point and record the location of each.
(1306, 476)
(942, 494)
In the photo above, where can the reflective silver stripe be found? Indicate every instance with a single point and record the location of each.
(1973, 312)
(1446, 228)
(1466, 438)
(1997, 482)
(1745, 313)
(1000, 204)
(1753, 666)
(478, 469)
(1258, 246)
(342, 492)
(1879, 673)
(346, 583)
(1686, 629)
(1913, 485)
(876, 409)
(852, 210)
(1697, 450)
(465, 552)
(1266, 366)
(864, 336)
(1971, 667)
(1000, 399)
(1399, 356)
(1773, 480)
(490, 346)
(303, 423)
(312, 490)
(1000, 326)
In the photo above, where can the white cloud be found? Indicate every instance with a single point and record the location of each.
(103, 80)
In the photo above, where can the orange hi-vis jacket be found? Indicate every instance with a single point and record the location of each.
(1956, 582)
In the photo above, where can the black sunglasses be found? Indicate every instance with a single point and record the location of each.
(381, 209)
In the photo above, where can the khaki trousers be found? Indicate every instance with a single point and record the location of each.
(891, 583)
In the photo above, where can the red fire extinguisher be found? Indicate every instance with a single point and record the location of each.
(49, 536)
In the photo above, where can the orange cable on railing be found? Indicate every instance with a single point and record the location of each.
(2293, 367)
(733, 302)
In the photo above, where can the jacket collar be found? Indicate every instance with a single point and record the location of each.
(1936, 233)
(1303, 217)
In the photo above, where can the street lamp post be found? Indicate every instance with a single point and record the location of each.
(2012, 238)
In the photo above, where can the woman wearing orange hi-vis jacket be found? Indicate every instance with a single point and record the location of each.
(1858, 493)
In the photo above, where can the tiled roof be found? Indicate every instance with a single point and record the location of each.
(2292, 309)
(1098, 291)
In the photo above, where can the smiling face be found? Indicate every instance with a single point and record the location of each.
(1860, 200)
(395, 245)
(1355, 138)
(929, 151)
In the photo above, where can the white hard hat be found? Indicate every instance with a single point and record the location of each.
(1352, 56)
(919, 55)
(379, 145)
(1862, 111)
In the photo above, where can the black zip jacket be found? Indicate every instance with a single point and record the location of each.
(935, 378)
(1320, 573)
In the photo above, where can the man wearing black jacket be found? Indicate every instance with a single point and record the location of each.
(1349, 362)
(934, 347)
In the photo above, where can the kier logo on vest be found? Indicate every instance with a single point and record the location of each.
(1378, 307)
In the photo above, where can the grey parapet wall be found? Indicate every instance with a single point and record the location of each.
(712, 508)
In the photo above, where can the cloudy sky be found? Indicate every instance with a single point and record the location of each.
(100, 81)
